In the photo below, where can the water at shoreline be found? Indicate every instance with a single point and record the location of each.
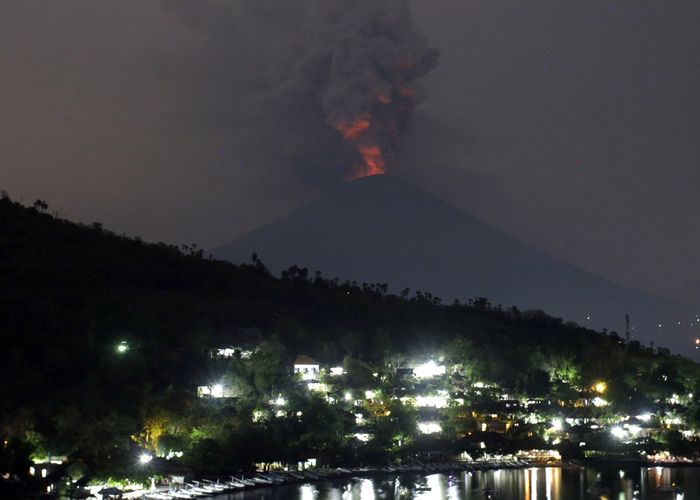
(544, 483)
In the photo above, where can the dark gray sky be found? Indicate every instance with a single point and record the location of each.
(574, 126)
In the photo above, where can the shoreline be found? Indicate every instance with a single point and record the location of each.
(257, 480)
(206, 488)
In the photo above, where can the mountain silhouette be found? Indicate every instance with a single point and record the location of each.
(383, 230)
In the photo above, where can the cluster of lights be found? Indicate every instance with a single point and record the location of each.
(122, 347)
(429, 370)
(309, 375)
(230, 352)
(438, 401)
(317, 386)
(625, 431)
(214, 390)
(429, 427)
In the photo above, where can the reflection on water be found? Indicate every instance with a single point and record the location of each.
(536, 483)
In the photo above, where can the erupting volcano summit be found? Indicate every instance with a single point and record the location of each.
(364, 66)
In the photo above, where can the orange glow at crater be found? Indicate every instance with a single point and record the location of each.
(359, 131)
(374, 162)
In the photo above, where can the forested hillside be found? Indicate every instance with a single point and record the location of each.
(71, 295)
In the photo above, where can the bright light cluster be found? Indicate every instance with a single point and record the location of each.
(213, 391)
(317, 386)
(618, 432)
(429, 427)
(429, 370)
(438, 401)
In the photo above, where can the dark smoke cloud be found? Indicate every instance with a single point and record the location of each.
(364, 60)
(324, 70)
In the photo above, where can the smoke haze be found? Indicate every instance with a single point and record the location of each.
(358, 60)
(570, 125)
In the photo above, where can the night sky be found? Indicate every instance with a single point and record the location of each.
(573, 126)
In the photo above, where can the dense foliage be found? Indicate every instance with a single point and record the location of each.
(71, 294)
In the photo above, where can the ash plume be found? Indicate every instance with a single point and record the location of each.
(364, 60)
(354, 64)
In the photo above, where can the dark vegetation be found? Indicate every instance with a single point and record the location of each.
(70, 294)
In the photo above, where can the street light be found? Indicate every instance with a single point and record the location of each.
(145, 458)
(557, 424)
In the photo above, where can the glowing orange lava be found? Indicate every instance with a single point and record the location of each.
(373, 163)
(353, 129)
(358, 131)
(373, 159)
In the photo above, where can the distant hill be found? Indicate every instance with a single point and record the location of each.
(106, 338)
(380, 229)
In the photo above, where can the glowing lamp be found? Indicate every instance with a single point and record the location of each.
(429, 427)
(618, 432)
(145, 458)
(428, 370)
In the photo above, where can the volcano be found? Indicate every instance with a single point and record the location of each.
(380, 229)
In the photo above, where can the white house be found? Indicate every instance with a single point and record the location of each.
(308, 367)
